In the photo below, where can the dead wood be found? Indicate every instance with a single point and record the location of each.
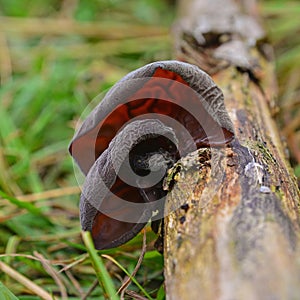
(237, 236)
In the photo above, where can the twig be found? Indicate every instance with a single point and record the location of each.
(75, 283)
(53, 273)
(5, 59)
(26, 282)
(68, 8)
(56, 193)
(128, 279)
(94, 285)
(35, 26)
(135, 295)
(74, 263)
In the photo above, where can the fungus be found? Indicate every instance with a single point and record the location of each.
(145, 123)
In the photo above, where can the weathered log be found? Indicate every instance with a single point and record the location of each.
(237, 238)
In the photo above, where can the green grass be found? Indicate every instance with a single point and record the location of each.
(49, 75)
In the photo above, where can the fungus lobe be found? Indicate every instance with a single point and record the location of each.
(147, 121)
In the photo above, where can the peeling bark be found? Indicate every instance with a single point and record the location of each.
(243, 242)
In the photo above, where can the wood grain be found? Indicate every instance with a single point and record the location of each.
(242, 243)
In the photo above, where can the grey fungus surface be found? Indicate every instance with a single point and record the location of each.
(146, 122)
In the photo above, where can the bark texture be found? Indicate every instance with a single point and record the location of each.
(236, 234)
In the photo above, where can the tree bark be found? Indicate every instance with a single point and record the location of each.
(236, 238)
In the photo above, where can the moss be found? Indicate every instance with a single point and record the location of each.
(266, 154)
(262, 152)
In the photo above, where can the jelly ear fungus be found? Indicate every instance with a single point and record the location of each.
(146, 122)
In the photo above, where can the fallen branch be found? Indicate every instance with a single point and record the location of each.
(243, 242)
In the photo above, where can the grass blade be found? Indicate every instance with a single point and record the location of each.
(5, 293)
(101, 272)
